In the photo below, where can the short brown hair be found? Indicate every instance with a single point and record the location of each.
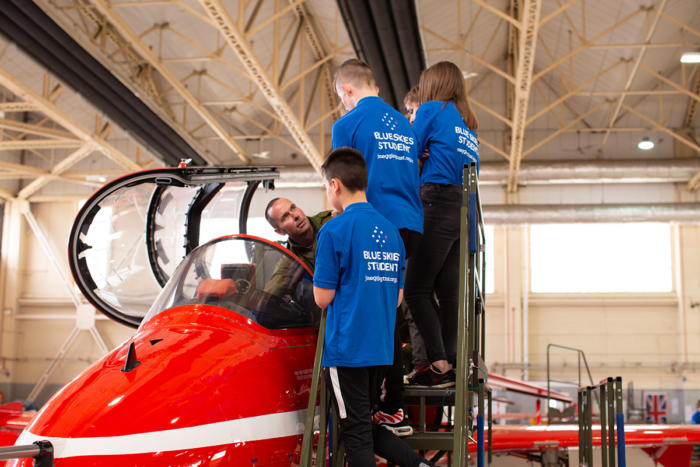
(348, 166)
(412, 96)
(267, 212)
(444, 81)
(355, 72)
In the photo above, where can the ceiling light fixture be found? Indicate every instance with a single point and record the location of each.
(690, 57)
(645, 144)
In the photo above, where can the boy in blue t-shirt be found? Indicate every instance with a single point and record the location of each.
(386, 140)
(359, 277)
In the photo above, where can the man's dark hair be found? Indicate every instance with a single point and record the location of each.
(348, 166)
(267, 210)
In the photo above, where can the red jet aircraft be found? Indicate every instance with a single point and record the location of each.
(208, 379)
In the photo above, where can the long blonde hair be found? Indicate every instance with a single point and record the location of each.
(444, 82)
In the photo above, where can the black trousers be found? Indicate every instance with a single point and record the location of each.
(355, 392)
(393, 399)
(435, 268)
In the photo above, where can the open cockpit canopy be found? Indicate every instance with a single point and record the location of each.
(129, 237)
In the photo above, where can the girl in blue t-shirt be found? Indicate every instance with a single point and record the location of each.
(446, 126)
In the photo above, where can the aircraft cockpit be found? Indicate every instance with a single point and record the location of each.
(250, 276)
(129, 240)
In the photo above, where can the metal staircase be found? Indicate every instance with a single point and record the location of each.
(469, 396)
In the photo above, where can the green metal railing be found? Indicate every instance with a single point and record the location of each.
(471, 374)
(611, 421)
(581, 359)
(471, 371)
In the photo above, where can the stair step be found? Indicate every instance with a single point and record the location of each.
(434, 440)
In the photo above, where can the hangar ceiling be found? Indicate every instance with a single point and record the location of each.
(567, 84)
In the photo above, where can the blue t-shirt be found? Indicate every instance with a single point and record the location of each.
(360, 254)
(386, 140)
(696, 418)
(450, 143)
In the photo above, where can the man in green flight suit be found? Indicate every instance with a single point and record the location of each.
(288, 219)
(283, 302)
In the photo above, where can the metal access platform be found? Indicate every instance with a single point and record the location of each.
(470, 395)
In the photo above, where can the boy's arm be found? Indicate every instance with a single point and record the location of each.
(324, 297)
(400, 298)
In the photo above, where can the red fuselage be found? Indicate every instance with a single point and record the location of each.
(213, 388)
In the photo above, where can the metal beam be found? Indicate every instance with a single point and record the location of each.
(230, 30)
(658, 126)
(52, 111)
(694, 183)
(561, 99)
(692, 107)
(125, 64)
(59, 168)
(681, 24)
(34, 129)
(676, 86)
(523, 82)
(557, 11)
(39, 144)
(8, 107)
(636, 45)
(319, 53)
(498, 151)
(120, 25)
(586, 45)
(562, 130)
(499, 13)
(460, 48)
(489, 111)
(4, 194)
(635, 67)
(20, 168)
(650, 92)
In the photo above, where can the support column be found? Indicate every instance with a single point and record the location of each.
(10, 280)
(513, 293)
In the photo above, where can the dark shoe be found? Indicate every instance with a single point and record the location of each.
(416, 369)
(431, 378)
(396, 422)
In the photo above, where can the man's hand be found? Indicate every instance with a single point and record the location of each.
(215, 288)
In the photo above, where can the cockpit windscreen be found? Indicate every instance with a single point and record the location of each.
(248, 275)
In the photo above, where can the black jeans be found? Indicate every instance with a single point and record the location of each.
(393, 399)
(354, 392)
(435, 268)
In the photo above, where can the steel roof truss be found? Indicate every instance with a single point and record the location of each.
(238, 41)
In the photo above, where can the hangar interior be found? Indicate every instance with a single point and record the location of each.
(564, 91)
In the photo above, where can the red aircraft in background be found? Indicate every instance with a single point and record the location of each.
(210, 379)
